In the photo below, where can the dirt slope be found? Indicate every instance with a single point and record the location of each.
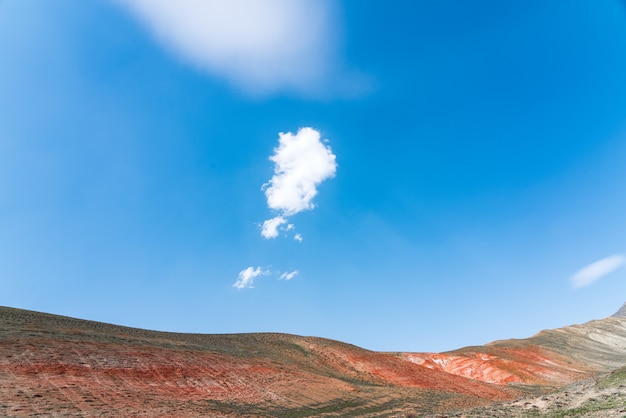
(57, 364)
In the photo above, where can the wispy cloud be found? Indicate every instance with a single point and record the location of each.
(270, 227)
(261, 46)
(289, 275)
(247, 276)
(298, 237)
(597, 270)
(301, 163)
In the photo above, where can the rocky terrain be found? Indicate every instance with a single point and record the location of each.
(58, 366)
(601, 397)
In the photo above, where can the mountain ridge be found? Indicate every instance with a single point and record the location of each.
(621, 312)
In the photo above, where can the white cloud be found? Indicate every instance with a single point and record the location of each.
(247, 276)
(302, 162)
(259, 45)
(289, 276)
(270, 227)
(595, 271)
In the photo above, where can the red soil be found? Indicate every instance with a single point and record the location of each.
(64, 366)
(529, 365)
(50, 363)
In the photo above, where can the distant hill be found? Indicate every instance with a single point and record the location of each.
(550, 358)
(51, 365)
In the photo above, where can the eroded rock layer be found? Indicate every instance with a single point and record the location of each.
(550, 358)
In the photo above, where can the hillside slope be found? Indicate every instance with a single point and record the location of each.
(57, 365)
(53, 363)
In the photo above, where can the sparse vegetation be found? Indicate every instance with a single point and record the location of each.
(600, 398)
(617, 377)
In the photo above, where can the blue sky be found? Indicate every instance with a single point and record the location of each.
(477, 192)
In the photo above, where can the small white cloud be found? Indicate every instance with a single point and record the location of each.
(595, 271)
(260, 45)
(270, 227)
(289, 276)
(247, 276)
(301, 163)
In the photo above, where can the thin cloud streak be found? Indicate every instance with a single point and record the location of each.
(289, 275)
(247, 276)
(597, 270)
